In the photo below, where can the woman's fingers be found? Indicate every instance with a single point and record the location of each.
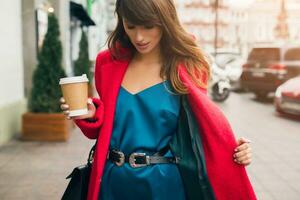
(243, 140)
(62, 100)
(245, 160)
(242, 153)
(243, 157)
(63, 104)
(66, 112)
(242, 147)
(64, 107)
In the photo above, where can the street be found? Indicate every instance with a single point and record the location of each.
(275, 170)
(35, 171)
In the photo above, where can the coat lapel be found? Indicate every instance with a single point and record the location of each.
(112, 75)
(218, 143)
(187, 146)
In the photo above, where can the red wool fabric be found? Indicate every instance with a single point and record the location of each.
(228, 179)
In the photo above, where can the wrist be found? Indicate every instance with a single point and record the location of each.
(92, 119)
(91, 116)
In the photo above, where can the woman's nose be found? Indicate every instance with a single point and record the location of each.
(139, 36)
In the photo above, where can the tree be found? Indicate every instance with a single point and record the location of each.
(45, 94)
(83, 64)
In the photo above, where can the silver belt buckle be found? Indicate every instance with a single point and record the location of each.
(132, 159)
(121, 159)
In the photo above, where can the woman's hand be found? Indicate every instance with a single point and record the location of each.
(243, 153)
(90, 105)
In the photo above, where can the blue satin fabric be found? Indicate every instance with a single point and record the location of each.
(144, 122)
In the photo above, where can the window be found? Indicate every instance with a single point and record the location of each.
(264, 54)
(292, 54)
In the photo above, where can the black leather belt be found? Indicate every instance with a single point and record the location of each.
(137, 159)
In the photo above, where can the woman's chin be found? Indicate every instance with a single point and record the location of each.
(144, 51)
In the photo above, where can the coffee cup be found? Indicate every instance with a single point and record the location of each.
(75, 93)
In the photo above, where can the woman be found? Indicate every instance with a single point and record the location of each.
(152, 78)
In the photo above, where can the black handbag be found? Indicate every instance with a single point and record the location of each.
(77, 188)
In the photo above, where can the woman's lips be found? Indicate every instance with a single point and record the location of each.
(142, 45)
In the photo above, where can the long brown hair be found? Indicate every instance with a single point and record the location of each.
(178, 46)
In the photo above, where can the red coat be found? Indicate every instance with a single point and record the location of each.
(228, 179)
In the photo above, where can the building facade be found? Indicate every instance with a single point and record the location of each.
(25, 23)
(12, 102)
(256, 24)
(211, 28)
(263, 17)
(239, 28)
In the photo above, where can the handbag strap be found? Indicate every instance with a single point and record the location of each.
(91, 154)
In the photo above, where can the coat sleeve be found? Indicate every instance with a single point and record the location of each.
(91, 127)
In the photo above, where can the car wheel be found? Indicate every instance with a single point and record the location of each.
(220, 96)
(261, 95)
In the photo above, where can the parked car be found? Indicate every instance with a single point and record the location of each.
(268, 67)
(287, 97)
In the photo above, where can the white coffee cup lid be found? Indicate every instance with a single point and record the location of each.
(74, 113)
(74, 79)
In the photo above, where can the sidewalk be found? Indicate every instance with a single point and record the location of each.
(37, 171)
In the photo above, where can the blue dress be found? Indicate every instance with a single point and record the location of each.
(144, 122)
